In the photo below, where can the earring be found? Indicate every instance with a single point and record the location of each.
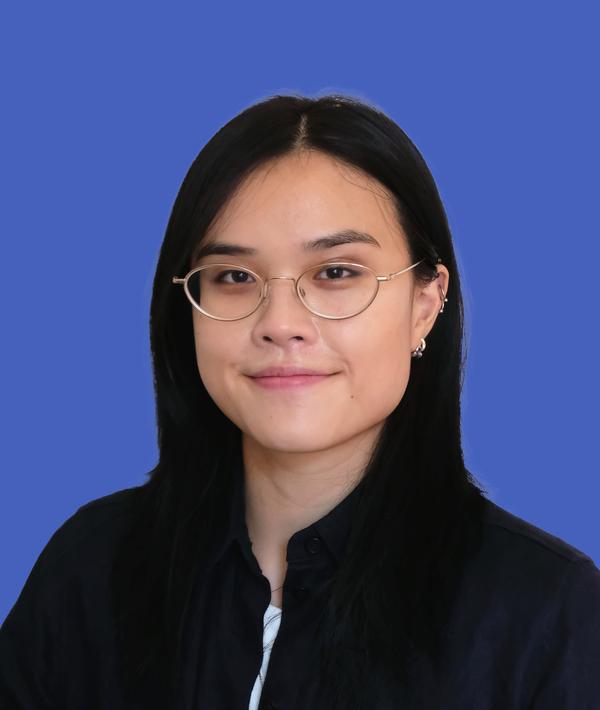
(444, 299)
(418, 352)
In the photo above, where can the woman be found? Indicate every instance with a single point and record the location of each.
(310, 537)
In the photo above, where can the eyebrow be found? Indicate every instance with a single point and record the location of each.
(328, 241)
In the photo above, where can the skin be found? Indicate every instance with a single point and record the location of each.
(304, 449)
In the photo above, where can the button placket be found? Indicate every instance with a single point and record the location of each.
(303, 565)
(313, 545)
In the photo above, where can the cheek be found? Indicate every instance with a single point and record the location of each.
(379, 365)
(213, 353)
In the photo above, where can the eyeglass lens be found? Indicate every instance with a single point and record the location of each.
(335, 290)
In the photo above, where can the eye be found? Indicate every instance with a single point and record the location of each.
(238, 274)
(335, 270)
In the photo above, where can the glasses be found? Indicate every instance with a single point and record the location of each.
(333, 290)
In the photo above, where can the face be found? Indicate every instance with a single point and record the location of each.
(367, 357)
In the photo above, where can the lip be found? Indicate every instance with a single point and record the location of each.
(287, 371)
(289, 381)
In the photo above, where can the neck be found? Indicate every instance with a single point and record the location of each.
(288, 491)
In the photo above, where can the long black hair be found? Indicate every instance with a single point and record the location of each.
(417, 520)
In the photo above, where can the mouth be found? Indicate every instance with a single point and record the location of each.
(289, 381)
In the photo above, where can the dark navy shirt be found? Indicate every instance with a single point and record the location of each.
(524, 634)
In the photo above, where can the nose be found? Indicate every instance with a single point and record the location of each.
(281, 319)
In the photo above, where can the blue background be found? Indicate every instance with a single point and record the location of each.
(104, 109)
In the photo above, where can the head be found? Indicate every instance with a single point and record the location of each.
(287, 171)
(286, 202)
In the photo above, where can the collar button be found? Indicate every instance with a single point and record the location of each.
(313, 545)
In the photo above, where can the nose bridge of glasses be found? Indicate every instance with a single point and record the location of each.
(267, 283)
(285, 278)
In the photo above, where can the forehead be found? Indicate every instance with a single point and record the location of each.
(300, 196)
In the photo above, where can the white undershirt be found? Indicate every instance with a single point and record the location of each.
(271, 622)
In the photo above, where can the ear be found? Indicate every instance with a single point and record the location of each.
(428, 300)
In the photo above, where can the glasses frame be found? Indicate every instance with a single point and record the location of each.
(265, 282)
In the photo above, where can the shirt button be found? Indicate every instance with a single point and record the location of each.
(313, 545)
(301, 593)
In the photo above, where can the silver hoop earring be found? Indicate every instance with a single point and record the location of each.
(418, 351)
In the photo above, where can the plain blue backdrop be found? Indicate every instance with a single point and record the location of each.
(105, 107)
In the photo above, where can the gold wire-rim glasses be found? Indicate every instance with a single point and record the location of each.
(265, 282)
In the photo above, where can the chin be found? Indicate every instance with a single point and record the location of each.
(292, 442)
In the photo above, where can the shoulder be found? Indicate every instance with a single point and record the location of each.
(62, 612)
(87, 539)
(522, 567)
(532, 604)
(506, 531)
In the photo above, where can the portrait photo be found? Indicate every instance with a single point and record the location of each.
(299, 378)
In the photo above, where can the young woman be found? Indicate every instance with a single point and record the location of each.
(310, 537)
